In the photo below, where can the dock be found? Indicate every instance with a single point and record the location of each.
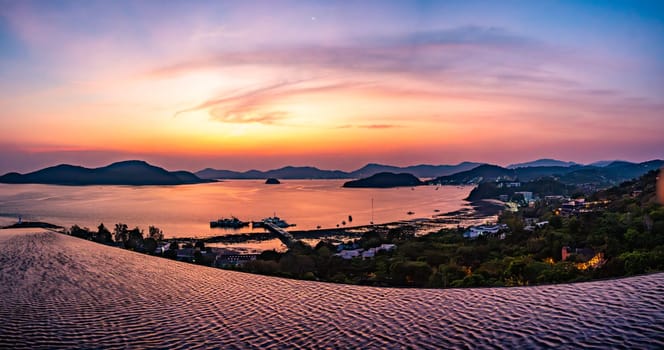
(284, 235)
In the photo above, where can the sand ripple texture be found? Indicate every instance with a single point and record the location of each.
(61, 292)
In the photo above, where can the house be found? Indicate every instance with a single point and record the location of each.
(349, 254)
(233, 259)
(508, 184)
(477, 231)
(186, 254)
(162, 247)
(585, 253)
(368, 254)
(347, 246)
(365, 254)
(527, 196)
(387, 247)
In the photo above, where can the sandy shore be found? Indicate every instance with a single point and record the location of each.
(58, 291)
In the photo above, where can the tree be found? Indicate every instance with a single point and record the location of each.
(135, 239)
(556, 222)
(79, 232)
(149, 245)
(415, 273)
(103, 234)
(155, 233)
(121, 233)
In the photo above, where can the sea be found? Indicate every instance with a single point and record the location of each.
(186, 210)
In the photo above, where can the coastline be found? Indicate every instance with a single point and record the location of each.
(473, 213)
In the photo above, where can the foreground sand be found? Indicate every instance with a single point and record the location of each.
(57, 291)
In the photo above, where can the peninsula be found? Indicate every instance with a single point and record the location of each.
(132, 172)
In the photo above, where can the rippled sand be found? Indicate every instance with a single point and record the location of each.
(58, 291)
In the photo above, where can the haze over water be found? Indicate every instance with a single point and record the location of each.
(185, 211)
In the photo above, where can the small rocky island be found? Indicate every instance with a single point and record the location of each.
(272, 181)
(385, 180)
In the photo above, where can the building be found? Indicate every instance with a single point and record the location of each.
(508, 184)
(585, 253)
(527, 196)
(477, 231)
(162, 247)
(365, 254)
(233, 259)
(349, 254)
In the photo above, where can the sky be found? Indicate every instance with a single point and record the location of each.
(333, 84)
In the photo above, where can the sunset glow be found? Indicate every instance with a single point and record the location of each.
(240, 85)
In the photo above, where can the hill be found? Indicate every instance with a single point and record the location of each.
(485, 172)
(542, 162)
(288, 172)
(545, 186)
(306, 172)
(421, 171)
(133, 172)
(385, 180)
(611, 174)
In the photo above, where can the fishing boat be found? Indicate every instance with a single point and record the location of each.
(275, 220)
(233, 222)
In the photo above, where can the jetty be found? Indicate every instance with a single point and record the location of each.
(284, 235)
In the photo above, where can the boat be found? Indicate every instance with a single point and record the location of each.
(233, 222)
(275, 220)
(410, 213)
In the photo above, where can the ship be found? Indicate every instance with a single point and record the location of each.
(275, 220)
(233, 222)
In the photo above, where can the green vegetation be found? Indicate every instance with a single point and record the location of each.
(627, 232)
(121, 236)
(547, 186)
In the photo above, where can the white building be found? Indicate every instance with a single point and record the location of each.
(365, 254)
(477, 231)
(527, 196)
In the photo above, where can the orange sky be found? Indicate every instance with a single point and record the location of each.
(237, 86)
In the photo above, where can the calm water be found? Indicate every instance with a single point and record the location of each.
(57, 291)
(187, 210)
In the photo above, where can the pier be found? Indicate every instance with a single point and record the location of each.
(284, 235)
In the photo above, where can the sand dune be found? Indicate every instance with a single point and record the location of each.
(61, 292)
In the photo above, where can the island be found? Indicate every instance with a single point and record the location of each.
(272, 181)
(385, 180)
(132, 172)
(33, 224)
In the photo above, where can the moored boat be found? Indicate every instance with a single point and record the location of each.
(233, 222)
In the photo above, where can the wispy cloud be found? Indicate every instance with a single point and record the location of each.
(416, 53)
(250, 106)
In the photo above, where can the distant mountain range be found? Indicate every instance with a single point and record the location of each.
(612, 173)
(542, 162)
(291, 172)
(137, 172)
(133, 172)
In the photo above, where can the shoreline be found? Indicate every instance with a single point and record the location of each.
(473, 211)
(603, 279)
